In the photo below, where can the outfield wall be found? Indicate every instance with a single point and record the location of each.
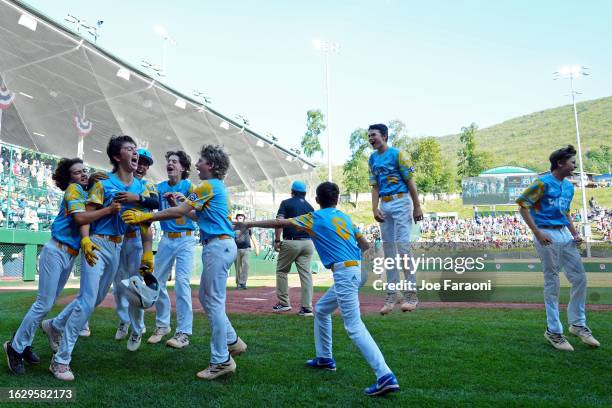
(19, 250)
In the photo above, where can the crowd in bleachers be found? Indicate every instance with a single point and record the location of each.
(28, 196)
(602, 222)
(491, 229)
(29, 199)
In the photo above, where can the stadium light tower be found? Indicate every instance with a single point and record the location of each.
(572, 73)
(327, 47)
(161, 30)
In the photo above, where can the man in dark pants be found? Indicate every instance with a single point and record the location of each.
(297, 247)
(244, 241)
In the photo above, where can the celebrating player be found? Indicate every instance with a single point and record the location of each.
(177, 244)
(57, 257)
(212, 208)
(338, 242)
(107, 235)
(392, 183)
(137, 246)
(545, 207)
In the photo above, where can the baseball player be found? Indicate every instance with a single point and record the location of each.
(56, 258)
(338, 243)
(394, 188)
(131, 254)
(545, 207)
(210, 201)
(176, 245)
(107, 235)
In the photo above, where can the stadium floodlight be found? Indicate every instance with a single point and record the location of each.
(180, 103)
(97, 150)
(163, 32)
(304, 166)
(224, 125)
(82, 23)
(123, 73)
(28, 22)
(289, 158)
(243, 119)
(327, 47)
(572, 73)
(202, 96)
(26, 95)
(38, 134)
(155, 68)
(260, 143)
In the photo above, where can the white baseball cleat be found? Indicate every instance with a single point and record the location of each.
(122, 331)
(61, 371)
(134, 342)
(558, 341)
(158, 334)
(217, 370)
(585, 334)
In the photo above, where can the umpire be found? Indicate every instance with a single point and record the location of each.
(297, 247)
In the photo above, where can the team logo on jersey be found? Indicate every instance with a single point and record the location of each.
(192, 197)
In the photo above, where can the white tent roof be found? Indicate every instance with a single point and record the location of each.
(56, 75)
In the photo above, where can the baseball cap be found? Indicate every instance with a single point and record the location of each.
(146, 155)
(298, 186)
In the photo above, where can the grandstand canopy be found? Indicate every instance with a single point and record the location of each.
(507, 171)
(58, 85)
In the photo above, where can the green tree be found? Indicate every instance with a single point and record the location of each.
(398, 135)
(471, 162)
(315, 125)
(432, 175)
(599, 159)
(355, 170)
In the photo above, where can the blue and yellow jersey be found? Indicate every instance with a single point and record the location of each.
(390, 171)
(178, 224)
(548, 200)
(64, 229)
(151, 189)
(213, 208)
(333, 233)
(103, 193)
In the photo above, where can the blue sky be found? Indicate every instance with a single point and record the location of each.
(436, 65)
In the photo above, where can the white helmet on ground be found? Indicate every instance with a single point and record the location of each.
(142, 291)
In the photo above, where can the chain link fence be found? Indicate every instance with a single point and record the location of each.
(11, 261)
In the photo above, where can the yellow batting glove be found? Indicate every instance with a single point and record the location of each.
(88, 248)
(136, 217)
(146, 263)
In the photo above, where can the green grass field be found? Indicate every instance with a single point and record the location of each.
(447, 357)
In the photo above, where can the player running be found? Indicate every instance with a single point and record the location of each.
(338, 243)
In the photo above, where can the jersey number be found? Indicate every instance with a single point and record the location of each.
(341, 228)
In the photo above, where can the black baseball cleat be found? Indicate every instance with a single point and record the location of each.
(13, 359)
(30, 356)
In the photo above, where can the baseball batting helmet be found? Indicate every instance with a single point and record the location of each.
(142, 291)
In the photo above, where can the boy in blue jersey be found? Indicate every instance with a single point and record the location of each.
(209, 203)
(545, 207)
(177, 245)
(394, 187)
(338, 243)
(107, 235)
(56, 258)
(136, 256)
